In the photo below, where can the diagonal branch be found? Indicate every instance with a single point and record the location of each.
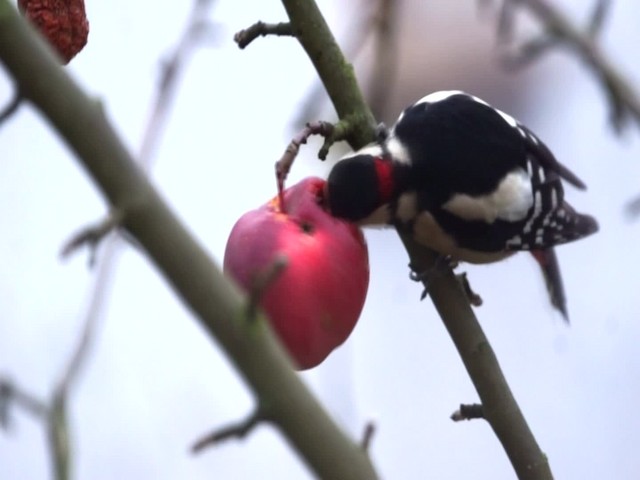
(501, 410)
(177, 255)
(623, 98)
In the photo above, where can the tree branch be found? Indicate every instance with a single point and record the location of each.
(260, 29)
(184, 263)
(12, 107)
(501, 410)
(337, 75)
(624, 100)
(236, 430)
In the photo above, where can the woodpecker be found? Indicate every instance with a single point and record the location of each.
(465, 179)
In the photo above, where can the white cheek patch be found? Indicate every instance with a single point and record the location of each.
(510, 201)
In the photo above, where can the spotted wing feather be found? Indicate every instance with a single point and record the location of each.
(542, 153)
(551, 221)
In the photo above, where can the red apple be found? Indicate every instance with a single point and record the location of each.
(315, 302)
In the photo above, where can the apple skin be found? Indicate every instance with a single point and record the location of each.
(315, 302)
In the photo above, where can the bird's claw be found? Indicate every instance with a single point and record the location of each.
(428, 275)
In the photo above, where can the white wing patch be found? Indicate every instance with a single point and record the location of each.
(510, 201)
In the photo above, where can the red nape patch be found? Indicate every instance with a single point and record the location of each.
(384, 171)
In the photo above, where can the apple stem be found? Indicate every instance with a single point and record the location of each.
(280, 177)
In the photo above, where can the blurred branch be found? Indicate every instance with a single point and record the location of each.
(367, 436)
(501, 410)
(383, 25)
(183, 262)
(92, 235)
(56, 418)
(559, 30)
(53, 416)
(170, 78)
(12, 395)
(260, 29)
(633, 208)
(378, 21)
(12, 107)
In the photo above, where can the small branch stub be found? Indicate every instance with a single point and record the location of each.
(468, 412)
(261, 29)
(367, 436)
(236, 430)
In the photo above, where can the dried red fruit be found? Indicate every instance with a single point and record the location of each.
(63, 22)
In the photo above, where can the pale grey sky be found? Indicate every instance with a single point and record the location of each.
(155, 382)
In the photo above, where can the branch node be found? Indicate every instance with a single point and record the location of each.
(11, 395)
(92, 235)
(261, 29)
(236, 430)
(468, 412)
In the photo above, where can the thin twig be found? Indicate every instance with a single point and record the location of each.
(367, 436)
(599, 17)
(377, 22)
(237, 430)
(92, 236)
(623, 98)
(260, 29)
(11, 394)
(57, 425)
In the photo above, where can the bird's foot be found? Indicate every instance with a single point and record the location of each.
(429, 275)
